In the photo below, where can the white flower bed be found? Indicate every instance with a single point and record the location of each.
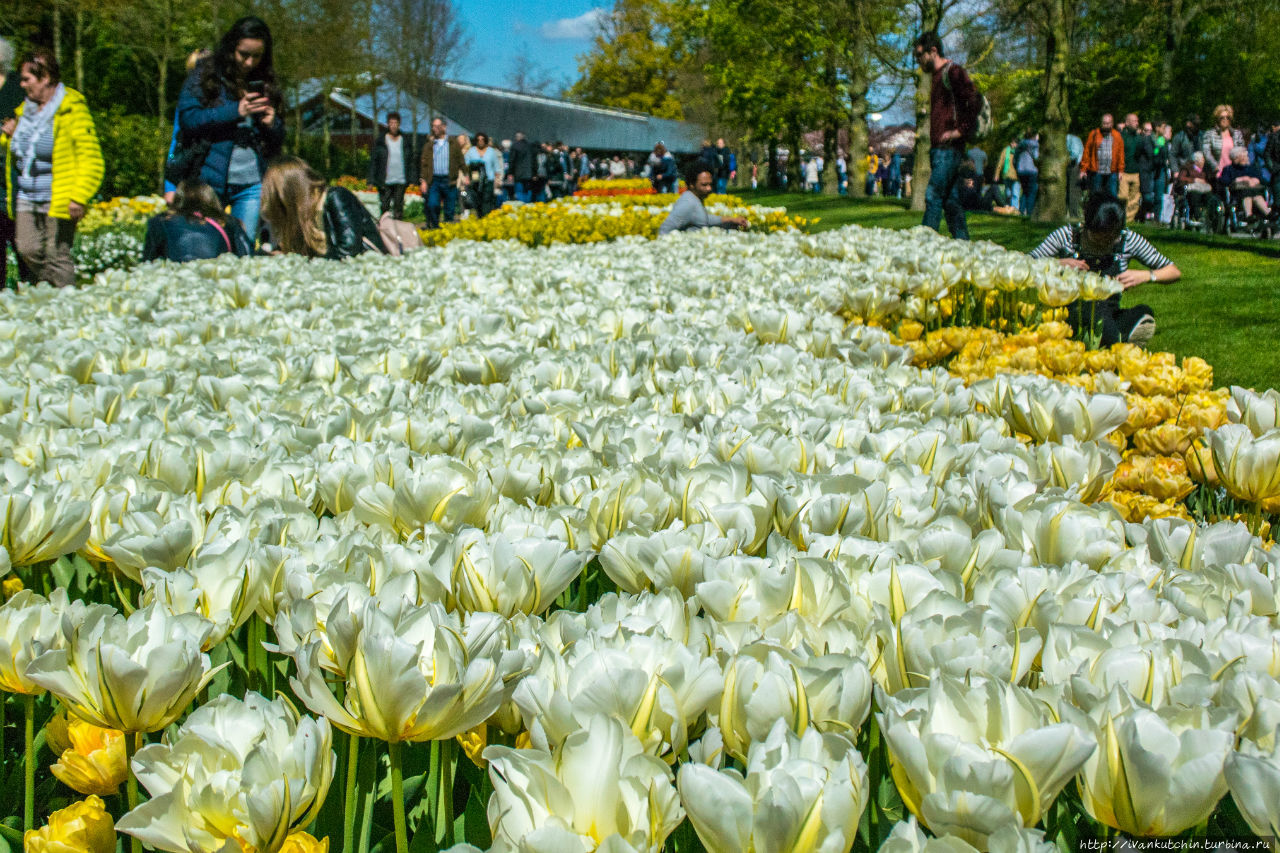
(376, 456)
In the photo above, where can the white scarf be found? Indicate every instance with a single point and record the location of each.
(33, 124)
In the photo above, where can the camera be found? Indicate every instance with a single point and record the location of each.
(1102, 264)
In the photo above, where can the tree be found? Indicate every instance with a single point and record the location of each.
(631, 63)
(526, 76)
(421, 43)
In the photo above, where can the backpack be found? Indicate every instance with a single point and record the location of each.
(982, 121)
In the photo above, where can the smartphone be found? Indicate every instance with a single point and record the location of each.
(256, 87)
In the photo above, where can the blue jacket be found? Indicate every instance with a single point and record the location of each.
(220, 123)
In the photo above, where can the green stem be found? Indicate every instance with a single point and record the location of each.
(29, 794)
(349, 804)
(131, 749)
(397, 798)
(444, 796)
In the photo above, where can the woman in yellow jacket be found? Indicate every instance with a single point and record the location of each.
(54, 166)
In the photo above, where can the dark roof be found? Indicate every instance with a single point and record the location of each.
(470, 108)
(501, 112)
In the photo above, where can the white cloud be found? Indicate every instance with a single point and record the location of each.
(580, 28)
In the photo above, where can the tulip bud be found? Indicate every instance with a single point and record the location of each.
(83, 827)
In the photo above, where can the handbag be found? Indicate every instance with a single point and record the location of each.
(187, 159)
(398, 236)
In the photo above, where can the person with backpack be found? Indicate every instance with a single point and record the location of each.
(953, 118)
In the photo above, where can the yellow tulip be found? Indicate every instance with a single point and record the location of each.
(95, 763)
(301, 842)
(83, 827)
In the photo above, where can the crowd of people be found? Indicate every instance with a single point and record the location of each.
(231, 191)
(462, 176)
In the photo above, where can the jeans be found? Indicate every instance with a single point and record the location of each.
(522, 191)
(391, 198)
(1030, 182)
(722, 184)
(246, 205)
(942, 196)
(440, 192)
(1099, 182)
(1107, 320)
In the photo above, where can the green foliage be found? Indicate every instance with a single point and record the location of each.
(630, 64)
(342, 159)
(131, 148)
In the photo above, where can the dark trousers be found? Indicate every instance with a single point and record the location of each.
(1030, 182)
(1109, 323)
(484, 197)
(440, 193)
(391, 198)
(1099, 182)
(942, 195)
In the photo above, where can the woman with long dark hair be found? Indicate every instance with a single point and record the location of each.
(194, 228)
(231, 103)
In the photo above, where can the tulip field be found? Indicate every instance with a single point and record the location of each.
(768, 542)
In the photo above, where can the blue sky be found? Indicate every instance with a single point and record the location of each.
(550, 34)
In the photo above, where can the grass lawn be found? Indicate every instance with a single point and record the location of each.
(1225, 309)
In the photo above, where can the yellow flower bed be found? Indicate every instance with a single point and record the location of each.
(120, 211)
(1163, 453)
(596, 220)
(615, 184)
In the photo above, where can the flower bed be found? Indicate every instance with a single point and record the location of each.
(619, 546)
(596, 220)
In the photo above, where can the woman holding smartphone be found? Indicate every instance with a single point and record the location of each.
(232, 102)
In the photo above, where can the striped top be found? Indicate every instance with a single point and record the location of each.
(36, 184)
(1065, 243)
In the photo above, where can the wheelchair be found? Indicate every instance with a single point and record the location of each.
(1201, 211)
(1236, 222)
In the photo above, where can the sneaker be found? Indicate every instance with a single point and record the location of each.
(1142, 330)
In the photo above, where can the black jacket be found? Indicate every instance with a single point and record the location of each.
(378, 160)
(11, 95)
(1183, 146)
(522, 160)
(349, 228)
(177, 238)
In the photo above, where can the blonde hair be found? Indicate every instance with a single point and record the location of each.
(1224, 109)
(196, 57)
(292, 201)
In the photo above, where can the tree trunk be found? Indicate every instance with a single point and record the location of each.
(79, 24)
(930, 19)
(57, 31)
(163, 66)
(1052, 205)
(327, 137)
(795, 170)
(1177, 17)
(830, 180)
(920, 174)
(858, 133)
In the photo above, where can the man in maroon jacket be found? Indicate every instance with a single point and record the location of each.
(953, 112)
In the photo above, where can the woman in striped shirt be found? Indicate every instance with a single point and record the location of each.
(1103, 245)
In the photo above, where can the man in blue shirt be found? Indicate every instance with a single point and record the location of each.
(441, 170)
